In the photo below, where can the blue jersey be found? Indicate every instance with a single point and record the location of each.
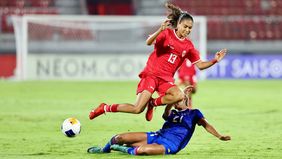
(179, 127)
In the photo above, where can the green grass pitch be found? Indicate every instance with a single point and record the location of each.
(31, 114)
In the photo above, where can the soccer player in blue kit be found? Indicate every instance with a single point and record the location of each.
(174, 135)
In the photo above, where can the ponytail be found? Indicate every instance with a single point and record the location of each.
(176, 15)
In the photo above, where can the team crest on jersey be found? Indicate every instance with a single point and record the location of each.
(184, 53)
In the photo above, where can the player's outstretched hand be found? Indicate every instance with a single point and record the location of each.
(225, 138)
(220, 54)
(165, 24)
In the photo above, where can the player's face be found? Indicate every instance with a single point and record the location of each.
(184, 28)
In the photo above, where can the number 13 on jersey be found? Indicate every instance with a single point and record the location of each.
(172, 58)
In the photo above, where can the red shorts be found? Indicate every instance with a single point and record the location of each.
(152, 84)
(192, 79)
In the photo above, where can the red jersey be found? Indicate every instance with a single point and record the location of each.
(186, 69)
(168, 55)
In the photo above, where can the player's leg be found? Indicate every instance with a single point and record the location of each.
(146, 87)
(138, 107)
(172, 95)
(169, 94)
(105, 149)
(139, 144)
(151, 149)
(146, 149)
(186, 102)
(131, 139)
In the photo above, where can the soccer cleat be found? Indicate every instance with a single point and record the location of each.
(97, 111)
(95, 149)
(150, 111)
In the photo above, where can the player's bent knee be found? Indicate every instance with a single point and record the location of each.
(179, 96)
(119, 139)
(176, 95)
(139, 109)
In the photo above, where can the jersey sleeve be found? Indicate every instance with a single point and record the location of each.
(194, 55)
(161, 38)
(198, 115)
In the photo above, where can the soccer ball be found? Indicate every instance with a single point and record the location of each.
(71, 127)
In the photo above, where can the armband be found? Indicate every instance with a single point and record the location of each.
(214, 61)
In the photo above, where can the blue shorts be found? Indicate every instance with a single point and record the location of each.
(170, 147)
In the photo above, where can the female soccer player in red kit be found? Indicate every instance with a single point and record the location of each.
(171, 48)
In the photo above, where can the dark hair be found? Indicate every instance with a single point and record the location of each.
(176, 15)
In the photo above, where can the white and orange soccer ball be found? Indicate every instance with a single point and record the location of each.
(71, 127)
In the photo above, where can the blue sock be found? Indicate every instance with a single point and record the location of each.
(132, 150)
(107, 147)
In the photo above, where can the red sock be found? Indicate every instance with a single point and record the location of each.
(157, 101)
(111, 108)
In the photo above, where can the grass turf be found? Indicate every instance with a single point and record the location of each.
(31, 114)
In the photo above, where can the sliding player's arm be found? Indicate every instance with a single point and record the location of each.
(203, 122)
(167, 111)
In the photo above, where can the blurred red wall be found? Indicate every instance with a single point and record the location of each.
(7, 65)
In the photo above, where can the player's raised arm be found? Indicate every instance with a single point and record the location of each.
(206, 64)
(153, 37)
(167, 111)
(212, 130)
